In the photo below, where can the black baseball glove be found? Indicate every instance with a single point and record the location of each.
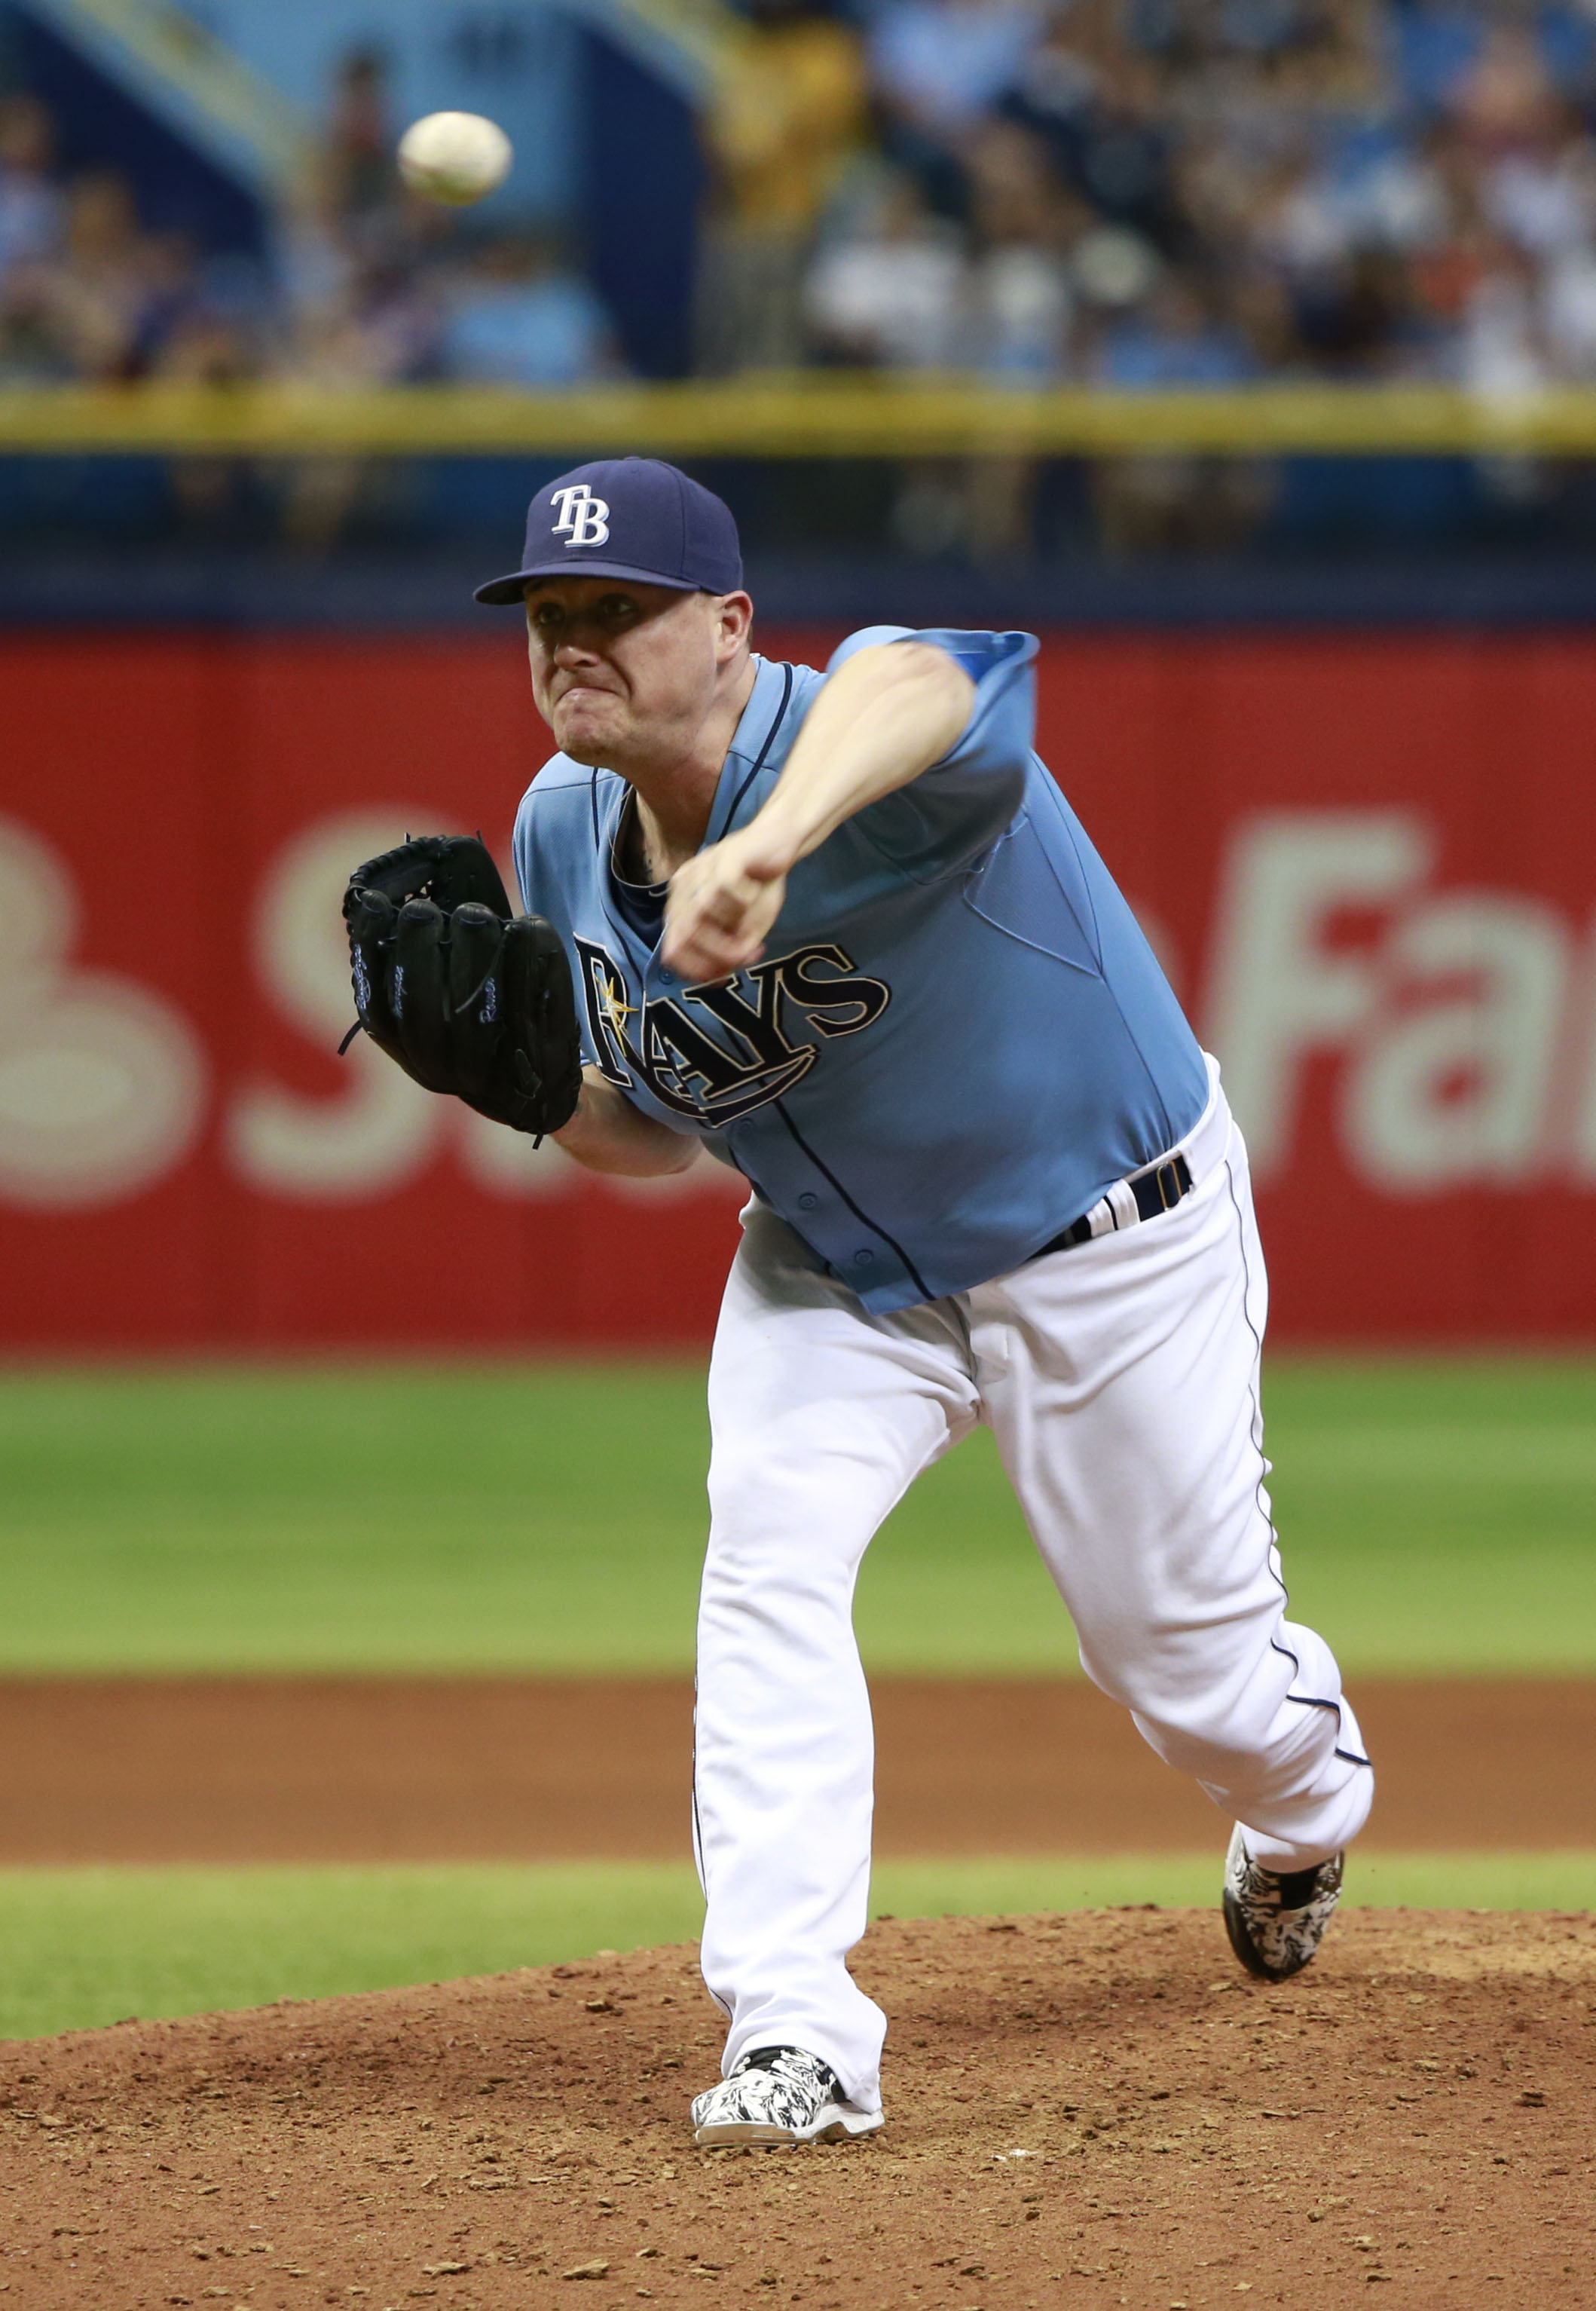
(467, 996)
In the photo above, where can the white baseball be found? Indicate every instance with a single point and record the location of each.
(455, 157)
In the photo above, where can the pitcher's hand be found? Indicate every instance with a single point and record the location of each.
(723, 902)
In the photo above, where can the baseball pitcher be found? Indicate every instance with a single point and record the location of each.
(842, 932)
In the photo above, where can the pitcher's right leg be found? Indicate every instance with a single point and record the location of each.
(1122, 1380)
(822, 1415)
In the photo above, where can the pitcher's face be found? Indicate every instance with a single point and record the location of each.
(623, 671)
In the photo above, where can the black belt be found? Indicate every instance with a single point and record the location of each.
(1158, 1191)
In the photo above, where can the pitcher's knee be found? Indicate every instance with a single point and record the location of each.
(1218, 1688)
(1226, 1739)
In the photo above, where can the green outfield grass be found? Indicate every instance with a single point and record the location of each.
(1435, 1516)
(81, 1948)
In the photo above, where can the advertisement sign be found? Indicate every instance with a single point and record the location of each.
(1369, 866)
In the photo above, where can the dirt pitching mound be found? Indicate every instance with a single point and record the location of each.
(1096, 2108)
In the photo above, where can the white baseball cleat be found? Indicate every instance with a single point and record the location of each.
(1276, 1919)
(777, 2094)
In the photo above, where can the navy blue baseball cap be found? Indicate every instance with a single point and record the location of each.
(627, 518)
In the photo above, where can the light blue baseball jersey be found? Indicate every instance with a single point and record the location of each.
(957, 1039)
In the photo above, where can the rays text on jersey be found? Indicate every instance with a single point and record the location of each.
(719, 1051)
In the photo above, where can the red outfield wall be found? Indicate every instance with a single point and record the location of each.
(1370, 865)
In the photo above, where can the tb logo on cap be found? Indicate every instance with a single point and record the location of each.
(584, 520)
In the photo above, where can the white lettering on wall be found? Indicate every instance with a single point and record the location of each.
(381, 1128)
(1278, 990)
(1583, 1074)
(102, 1082)
(1453, 1080)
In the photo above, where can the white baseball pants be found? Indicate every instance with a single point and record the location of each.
(1120, 1379)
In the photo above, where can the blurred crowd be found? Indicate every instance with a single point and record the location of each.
(1162, 192)
(1137, 192)
(359, 283)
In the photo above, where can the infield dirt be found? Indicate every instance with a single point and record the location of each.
(1097, 2108)
(436, 1769)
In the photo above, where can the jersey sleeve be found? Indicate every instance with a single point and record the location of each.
(952, 811)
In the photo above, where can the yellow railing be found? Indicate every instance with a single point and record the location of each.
(826, 415)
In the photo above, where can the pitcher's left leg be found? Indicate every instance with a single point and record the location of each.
(1121, 1378)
